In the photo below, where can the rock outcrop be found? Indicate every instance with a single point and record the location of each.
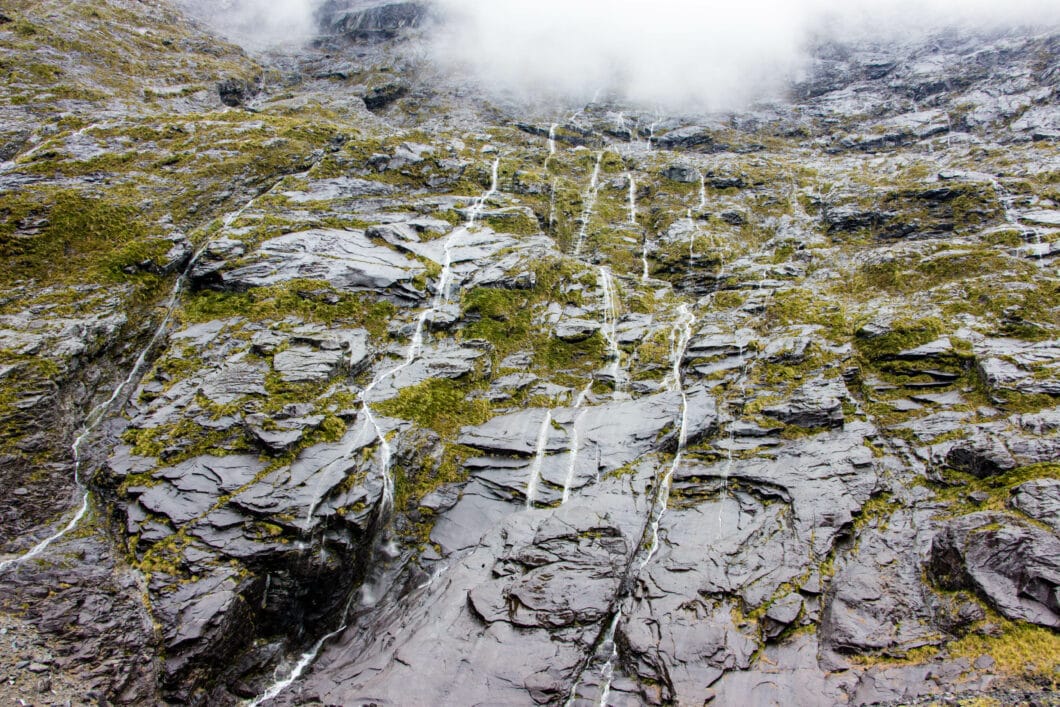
(325, 378)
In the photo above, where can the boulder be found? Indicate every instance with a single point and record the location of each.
(1012, 564)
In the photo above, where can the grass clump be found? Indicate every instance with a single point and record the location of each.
(900, 336)
(310, 300)
(439, 404)
(40, 238)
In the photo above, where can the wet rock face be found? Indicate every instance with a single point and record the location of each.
(369, 20)
(235, 92)
(1015, 566)
(459, 405)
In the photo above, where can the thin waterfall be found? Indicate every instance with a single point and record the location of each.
(415, 347)
(590, 204)
(539, 458)
(610, 323)
(680, 336)
(99, 413)
(412, 352)
(551, 144)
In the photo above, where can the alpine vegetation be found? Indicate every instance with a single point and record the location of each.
(430, 352)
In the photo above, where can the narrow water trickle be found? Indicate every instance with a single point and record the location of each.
(607, 673)
(415, 347)
(610, 325)
(632, 199)
(412, 352)
(539, 458)
(304, 661)
(590, 204)
(680, 336)
(551, 144)
(99, 413)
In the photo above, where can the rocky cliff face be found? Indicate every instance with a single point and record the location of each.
(324, 382)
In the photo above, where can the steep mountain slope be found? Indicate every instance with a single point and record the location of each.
(326, 381)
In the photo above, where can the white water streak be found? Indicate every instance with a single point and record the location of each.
(476, 210)
(590, 204)
(99, 412)
(539, 458)
(551, 144)
(607, 673)
(610, 323)
(680, 336)
(415, 347)
(632, 200)
(304, 661)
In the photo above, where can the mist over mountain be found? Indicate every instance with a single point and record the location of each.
(682, 54)
(387, 352)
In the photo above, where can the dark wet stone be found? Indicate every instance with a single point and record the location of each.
(379, 97)
(1039, 500)
(813, 405)
(681, 173)
(981, 456)
(687, 138)
(1014, 565)
(235, 92)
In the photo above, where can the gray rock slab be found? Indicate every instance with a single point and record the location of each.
(306, 364)
(348, 260)
(1040, 500)
(1015, 565)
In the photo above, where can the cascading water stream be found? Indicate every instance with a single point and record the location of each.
(609, 329)
(99, 413)
(610, 324)
(551, 143)
(607, 673)
(590, 204)
(539, 458)
(304, 661)
(633, 222)
(693, 221)
(415, 347)
(412, 352)
(680, 336)
(632, 199)
(575, 442)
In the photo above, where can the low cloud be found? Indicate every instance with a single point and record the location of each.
(257, 25)
(683, 53)
(713, 54)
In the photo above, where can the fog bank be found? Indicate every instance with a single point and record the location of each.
(684, 53)
(677, 54)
